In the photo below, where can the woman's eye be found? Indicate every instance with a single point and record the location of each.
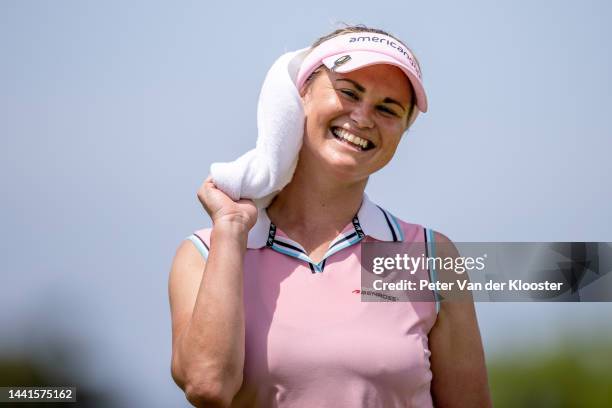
(382, 108)
(354, 96)
(350, 94)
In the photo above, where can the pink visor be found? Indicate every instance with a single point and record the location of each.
(348, 52)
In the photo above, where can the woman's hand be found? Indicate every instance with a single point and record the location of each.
(221, 208)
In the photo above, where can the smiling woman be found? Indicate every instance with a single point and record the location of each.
(264, 304)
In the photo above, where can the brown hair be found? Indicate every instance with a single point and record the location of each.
(359, 28)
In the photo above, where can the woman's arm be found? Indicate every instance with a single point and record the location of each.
(457, 356)
(206, 300)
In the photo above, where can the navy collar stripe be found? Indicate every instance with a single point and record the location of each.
(292, 253)
(202, 241)
(357, 227)
(343, 245)
(286, 245)
(346, 238)
(271, 234)
(389, 224)
(338, 239)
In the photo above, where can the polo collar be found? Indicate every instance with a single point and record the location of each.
(374, 221)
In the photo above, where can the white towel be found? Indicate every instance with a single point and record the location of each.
(262, 172)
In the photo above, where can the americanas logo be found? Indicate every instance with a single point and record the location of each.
(367, 292)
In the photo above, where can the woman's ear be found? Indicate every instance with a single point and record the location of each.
(302, 91)
(305, 95)
(308, 83)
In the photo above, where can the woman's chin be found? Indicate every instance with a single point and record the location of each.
(335, 161)
(344, 168)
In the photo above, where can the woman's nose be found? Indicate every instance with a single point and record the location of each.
(361, 115)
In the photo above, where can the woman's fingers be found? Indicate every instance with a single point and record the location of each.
(209, 180)
(218, 204)
(203, 192)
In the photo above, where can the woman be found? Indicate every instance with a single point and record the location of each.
(262, 308)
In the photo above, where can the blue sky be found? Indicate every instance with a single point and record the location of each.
(112, 112)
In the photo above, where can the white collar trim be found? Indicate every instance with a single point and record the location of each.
(371, 218)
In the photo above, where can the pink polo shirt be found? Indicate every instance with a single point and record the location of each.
(310, 340)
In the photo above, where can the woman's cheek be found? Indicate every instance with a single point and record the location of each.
(389, 152)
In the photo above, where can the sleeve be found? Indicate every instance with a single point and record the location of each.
(198, 239)
(430, 242)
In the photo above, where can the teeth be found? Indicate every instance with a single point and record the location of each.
(351, 138)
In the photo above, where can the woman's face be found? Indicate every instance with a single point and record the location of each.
(370, 103)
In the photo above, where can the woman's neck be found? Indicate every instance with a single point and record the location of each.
(313, 201)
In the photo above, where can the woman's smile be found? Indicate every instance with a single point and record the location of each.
(350, 140)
